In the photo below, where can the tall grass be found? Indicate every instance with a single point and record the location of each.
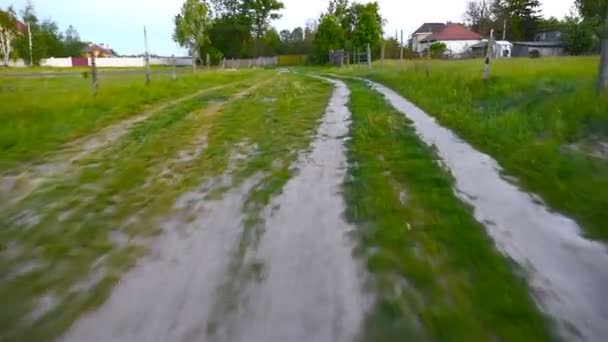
(528, 117)
(37, 115)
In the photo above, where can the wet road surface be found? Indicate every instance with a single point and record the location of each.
(567, 273)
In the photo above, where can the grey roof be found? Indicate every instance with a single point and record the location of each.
(430, 27)
(540, 44)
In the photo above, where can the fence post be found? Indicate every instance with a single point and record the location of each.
(489, 55)
(369, 56)
(401, 55)
(147, 57)
(95, 84)
(382, 53)
(194, 60)
(174, 67)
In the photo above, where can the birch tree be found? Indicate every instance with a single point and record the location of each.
(192, 26)
(597, 10)
(8, 32)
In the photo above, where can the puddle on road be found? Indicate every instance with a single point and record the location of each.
(568, 274)
(310, 288)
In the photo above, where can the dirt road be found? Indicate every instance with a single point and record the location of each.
(310, 288)
(566, 272)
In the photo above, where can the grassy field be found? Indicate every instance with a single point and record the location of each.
(436, 273)
(64, 247)
(539, 118)
(38, 115)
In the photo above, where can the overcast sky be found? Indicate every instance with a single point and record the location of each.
(119, 23)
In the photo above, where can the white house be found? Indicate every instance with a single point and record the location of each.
(456, 37)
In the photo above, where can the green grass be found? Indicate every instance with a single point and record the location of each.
(127, 188)
(527, 117)
(436, 274)
(38, 115)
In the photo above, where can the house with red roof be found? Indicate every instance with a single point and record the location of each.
(457, 38)
(424, 31)
(99, 50)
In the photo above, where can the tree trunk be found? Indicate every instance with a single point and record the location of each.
(602, 82)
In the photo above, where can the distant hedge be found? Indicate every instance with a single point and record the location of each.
(292, 60)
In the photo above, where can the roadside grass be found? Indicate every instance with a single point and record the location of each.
(38, 115)
(71, 240)
(536, 117)
(436, 274)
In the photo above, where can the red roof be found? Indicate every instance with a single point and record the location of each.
(454, 32)
(21, 27)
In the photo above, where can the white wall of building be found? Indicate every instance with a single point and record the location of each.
(459, 46)
(57, 62)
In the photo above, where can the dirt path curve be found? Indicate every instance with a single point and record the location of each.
(568, 274)
(311, 287)
(18, 183)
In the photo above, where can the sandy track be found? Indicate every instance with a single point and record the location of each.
(311, 287)
(567, 273)
(168, 296)
(16, 184)
(311, 290)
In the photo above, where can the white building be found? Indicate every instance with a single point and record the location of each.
(502, 49)
(457, 38)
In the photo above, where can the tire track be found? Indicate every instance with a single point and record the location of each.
(566, 272)
(309, 286)
(18, 183)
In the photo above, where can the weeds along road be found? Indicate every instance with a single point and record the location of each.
(282, 207)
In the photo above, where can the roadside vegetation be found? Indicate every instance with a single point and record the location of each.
(436, 274)
(65, 246)
(40, 114)
(541, 120)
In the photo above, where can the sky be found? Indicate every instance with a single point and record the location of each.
(119, 23)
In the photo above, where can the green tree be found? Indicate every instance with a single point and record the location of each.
(597, 11)
(329, 36)
(261, 13)
(73, 46)
(578, 35)
(521, 16)
(367, 25)
(8, 32)
(478, 16)
(438, 49)
(192, 26)
(297, 35)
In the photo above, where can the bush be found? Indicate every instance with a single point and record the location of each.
(534, 54)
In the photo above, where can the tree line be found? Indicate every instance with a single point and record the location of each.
(241, 29)
(47, 38)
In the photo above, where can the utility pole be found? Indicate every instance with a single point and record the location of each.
(428, 52)
(369, 56)
(382, 53)
(194, 58)
(147, 56)
(401, 55)
(29, 34)
(174, 67)
(489, 55)
(208, 62)
(504, 30)
(94, 84)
